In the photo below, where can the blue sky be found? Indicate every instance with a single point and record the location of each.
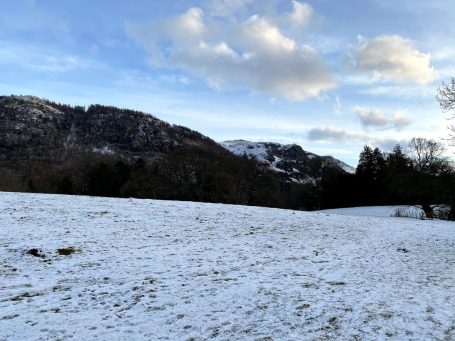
(328, 75)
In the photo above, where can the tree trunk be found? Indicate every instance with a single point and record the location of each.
(428, 210)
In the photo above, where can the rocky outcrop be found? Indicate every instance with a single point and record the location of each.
(290, 161)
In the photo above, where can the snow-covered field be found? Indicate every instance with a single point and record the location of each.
(376, 211)
(160, 270)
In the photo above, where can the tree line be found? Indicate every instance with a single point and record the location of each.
(421, 176)
(192, 173)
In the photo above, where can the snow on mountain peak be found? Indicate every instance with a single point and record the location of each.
(256, 150)
(291, 161)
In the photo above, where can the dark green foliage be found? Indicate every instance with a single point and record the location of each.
(371, 164)
(370, 173)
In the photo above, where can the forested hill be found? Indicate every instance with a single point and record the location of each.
(36, 129)
(107, 151)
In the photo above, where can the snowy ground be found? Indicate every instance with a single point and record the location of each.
(376, 211)
(175, 271)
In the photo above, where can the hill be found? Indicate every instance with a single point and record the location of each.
(36, 129)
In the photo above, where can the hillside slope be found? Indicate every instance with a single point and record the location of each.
(32, 128)
(147, 269)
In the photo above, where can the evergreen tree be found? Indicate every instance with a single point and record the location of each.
(372, 163)
(397, 161)
(370, 172)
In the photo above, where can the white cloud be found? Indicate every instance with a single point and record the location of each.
(265, 37)
(392, 57)
(335, 135)
(253, 54)
(301, 14)
(370, 118)
(376, 119)
(338, 136)
(400, 120)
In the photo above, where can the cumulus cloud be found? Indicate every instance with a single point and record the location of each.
(400, 120)
(253, 54)
(392, 57)
(376, 119)
(371, 118)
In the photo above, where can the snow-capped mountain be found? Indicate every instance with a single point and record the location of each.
(290, 161)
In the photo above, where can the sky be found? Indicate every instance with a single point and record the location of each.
(328, 75)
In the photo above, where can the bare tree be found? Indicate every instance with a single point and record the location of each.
(428, 156)
(431, 169)
(446, 95)
(446, 99)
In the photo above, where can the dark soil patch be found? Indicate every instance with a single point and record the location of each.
(36, 253)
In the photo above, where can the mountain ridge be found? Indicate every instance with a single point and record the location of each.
(34, 128)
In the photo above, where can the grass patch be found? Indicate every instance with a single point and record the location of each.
(24, 296)
(332, 320)
(337, 283)
(303, 306)
(66, 251)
